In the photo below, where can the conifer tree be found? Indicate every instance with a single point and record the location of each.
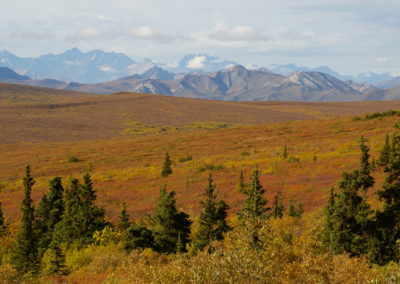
(278, 206)
(166, 170)
(57, 259)
(168, 224)
(300, 209)
(373, 164)
(385, 152)
(292, 210)
(49, 213)
(123, 222)
(242, 185)
(56, 202)
(255, 204)
(1, 216)
(82, 216)
(212, 220)
(137, 236)
(285, 153)
(70, 227)
(2, 223)
(385, 246)
(329, 226)
(350, 220)
(93, 216)
(24, 254)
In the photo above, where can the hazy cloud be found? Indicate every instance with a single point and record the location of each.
(31, 35)
(86, 34)
(381, 60)
(146, 32)
(238, 33)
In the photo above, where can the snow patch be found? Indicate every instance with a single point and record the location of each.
(107, 69)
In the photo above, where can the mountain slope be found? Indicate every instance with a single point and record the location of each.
(238, 84)
(233, 84)
(71, 65)
(8, 74)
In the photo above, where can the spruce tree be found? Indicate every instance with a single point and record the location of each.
(278, 207)
(82, 217)
(350, 220)
(49, 212)
(24, 254)
(385, 246)
(168, 225)
(384, 157)
(255, 204)
(329, 226)
(242, 185)
(300, 209)
(137, 236)
(291, 209)
(2, 223)
(57, 259)
(123, 222)
(285, 153)
(212, 220)
(93, 216)
(69, 229)
(56, 202)
(166, 170)
(1, 216)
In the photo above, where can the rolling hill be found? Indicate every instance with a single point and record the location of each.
(32, 114)
(121, 139)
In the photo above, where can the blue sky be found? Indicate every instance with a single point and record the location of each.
(349, 36)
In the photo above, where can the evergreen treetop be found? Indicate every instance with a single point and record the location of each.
(255, 204)
(388, 218)
(384, 157)
(166, 170)
(212, 220)
(123, 222)
(348, 218)
(168, 224)
(242, 185)
(24, 254)
(1, 216)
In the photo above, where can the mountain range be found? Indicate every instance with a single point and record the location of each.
(98, 66)
(235, 83)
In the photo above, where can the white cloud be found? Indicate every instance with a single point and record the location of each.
(86, 34)
(237, 33)
(197, 62)
(29, 34)
(381, 60)
(145, 32)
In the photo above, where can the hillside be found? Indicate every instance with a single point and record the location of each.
(122, 138)
(30, 114)
(12, 95)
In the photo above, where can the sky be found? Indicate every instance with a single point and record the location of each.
(349, 36)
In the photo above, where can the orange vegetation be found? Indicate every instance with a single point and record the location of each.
(127, 168)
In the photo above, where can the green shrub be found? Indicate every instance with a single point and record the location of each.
(73, 159)
(293, 159)
(245, 154)
(184, 159)
(211, 167)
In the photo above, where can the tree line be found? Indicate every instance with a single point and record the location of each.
(69, 217)
(351, 225)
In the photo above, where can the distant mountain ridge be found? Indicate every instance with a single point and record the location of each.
(97, 66)
(233, 84)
